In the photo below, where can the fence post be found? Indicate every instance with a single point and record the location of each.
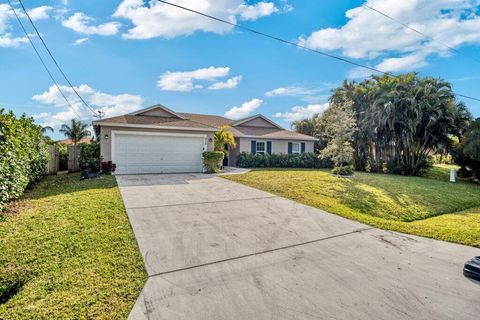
(73, 158)
(53, 164)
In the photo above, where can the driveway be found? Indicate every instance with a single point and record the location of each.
(215, 249)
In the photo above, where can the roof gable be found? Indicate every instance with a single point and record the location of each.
(157, 111)
(258, 121)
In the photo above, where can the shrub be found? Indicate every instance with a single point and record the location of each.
(212, 161)
(281, 160)
(90, 159)
(62, 156)
(108, 167)
(467, 153)
(343, 171)
(23, 155)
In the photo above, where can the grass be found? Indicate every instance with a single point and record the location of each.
(68, 252)
(426, 206)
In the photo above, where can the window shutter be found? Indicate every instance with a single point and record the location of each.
(269, 147)
(303, 147)
(289, 148)
(254, 146)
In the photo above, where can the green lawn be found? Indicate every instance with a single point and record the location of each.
(426, 206)
(68, 252)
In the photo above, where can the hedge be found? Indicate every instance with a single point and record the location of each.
(23, 155)
(90, 159)
(281, 160)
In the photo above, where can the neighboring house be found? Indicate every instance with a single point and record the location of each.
(70, 142)
(159, 140)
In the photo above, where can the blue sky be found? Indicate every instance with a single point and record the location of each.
(124, 55)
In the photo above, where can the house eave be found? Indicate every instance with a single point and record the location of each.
(145, 126)
(307, 138)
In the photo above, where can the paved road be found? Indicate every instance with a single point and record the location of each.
(215, 249)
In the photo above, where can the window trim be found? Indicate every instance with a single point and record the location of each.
(299, 144)
(264, 147)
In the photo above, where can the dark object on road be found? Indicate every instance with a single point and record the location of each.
(88, 175)
(472, 268)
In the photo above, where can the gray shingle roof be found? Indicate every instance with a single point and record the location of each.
(207, 122)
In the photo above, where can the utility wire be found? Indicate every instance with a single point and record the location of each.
(95, 113)
(41, 60)
(274, 37)
(420, 33)
(290, 42)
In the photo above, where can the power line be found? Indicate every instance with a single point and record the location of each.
(42, 61)
(420, 33)
(289, 42)
(275, 37)
(96, 114)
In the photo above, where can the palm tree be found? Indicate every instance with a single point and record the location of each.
(76, 131)
(306, 126)
(224, 138)
(46, 129)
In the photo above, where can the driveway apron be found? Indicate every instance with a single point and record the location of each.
(215, 249)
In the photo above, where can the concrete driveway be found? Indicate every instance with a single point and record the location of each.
(215, 249)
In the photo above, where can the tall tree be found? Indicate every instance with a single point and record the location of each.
(306, 126)
(401, 121)
(76, 131)
(46, 129)
(468, 152)
(224, 138)
(339, 129)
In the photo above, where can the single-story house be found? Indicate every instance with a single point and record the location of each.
(159, 140)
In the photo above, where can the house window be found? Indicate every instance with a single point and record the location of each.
(295, 147)
(261, 147)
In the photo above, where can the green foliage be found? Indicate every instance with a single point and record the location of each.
(401, 121)
(71, 251)
(23, 155)
(339, 129)
(343, 171)
(63, 156)
(212, 161)
(416, 205)
(224, 138)
(281, 160)
(90, 159)
(77, 130)
(468, 152)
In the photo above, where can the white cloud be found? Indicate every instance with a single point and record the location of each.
(300, 113)
(253, 12)
(5, 13)
(309, 95)
(80, 41)
(112, 105)
(185, 80)
(367, 34)
(244, 110)
(39, 13)
(156, 19)
(229, 84)
(292, 91)
(81, 23)
(7, 41)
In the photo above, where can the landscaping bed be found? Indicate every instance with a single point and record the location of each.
(68, 252)
(430, 207)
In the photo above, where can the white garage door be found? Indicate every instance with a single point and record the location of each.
(157, 153)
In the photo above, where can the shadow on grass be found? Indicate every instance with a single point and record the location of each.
(67, 183)
(391, 197)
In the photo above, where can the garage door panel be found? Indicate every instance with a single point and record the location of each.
(139, 153)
